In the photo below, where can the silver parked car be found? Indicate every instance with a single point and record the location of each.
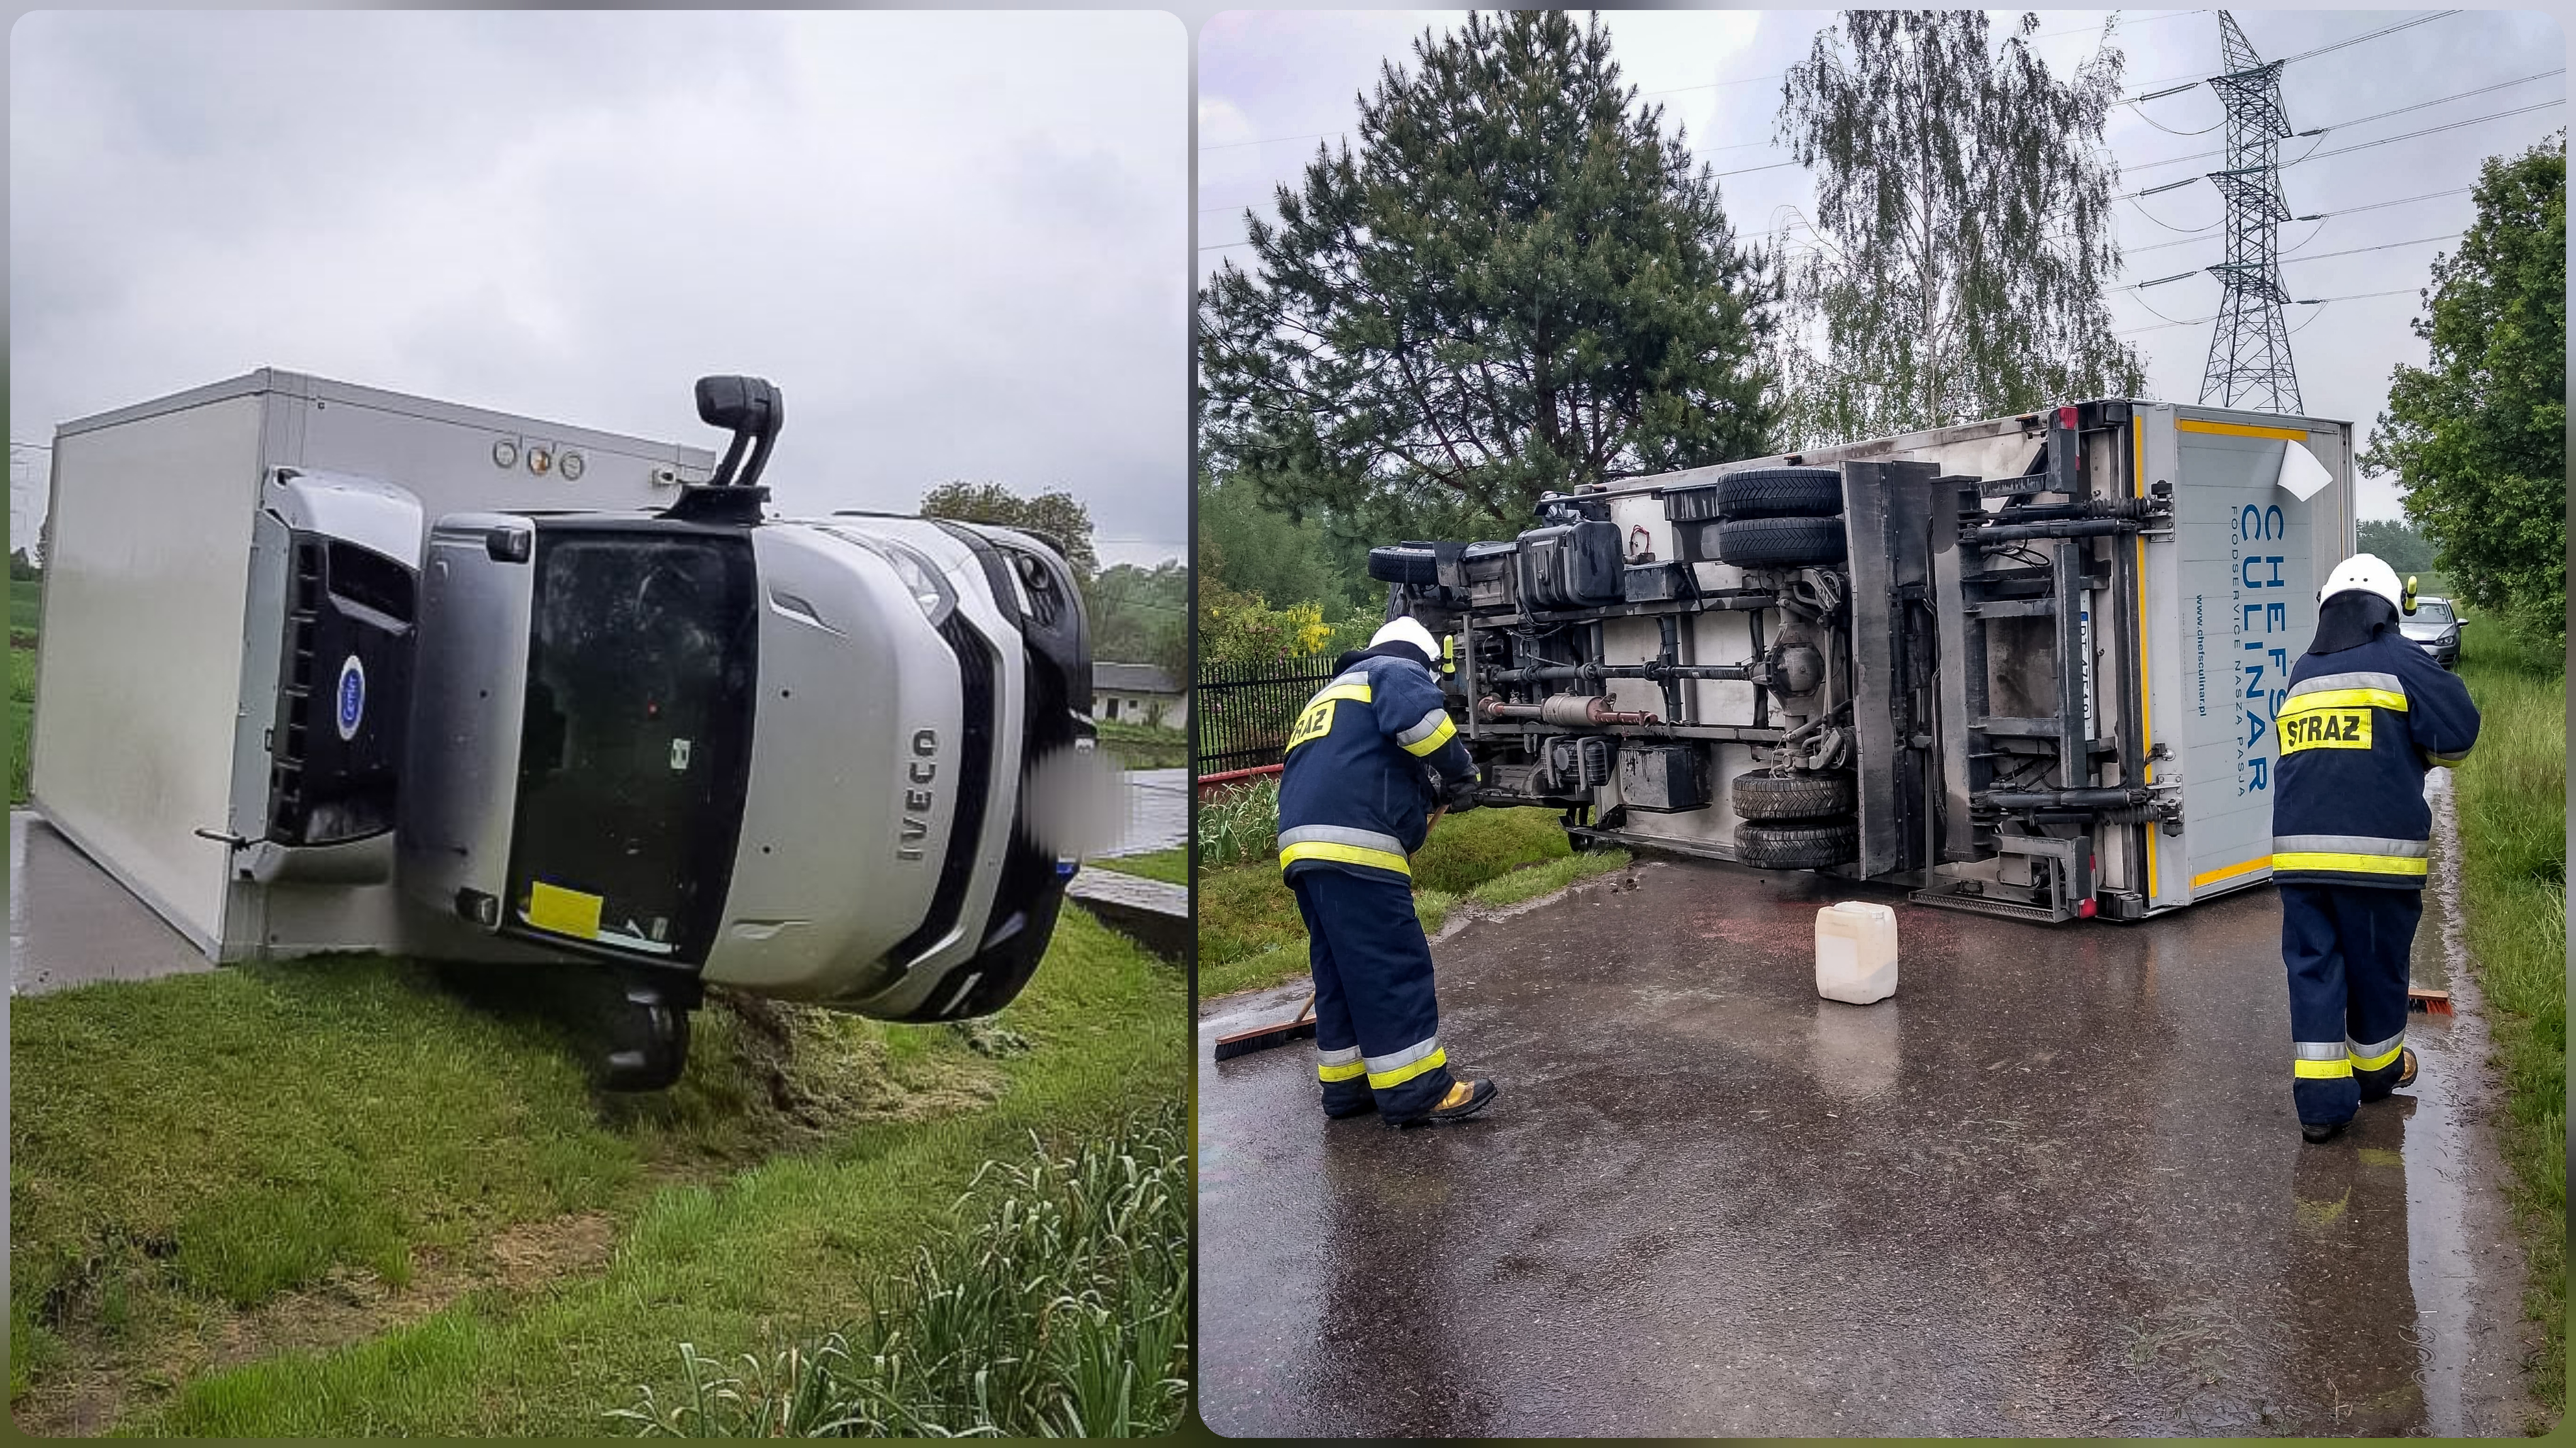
(2435, 627)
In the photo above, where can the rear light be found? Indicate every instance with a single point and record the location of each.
(2084, 908)
(2066, 418)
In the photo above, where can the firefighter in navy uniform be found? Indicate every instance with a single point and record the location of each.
(1370, 757)
(2367, 714)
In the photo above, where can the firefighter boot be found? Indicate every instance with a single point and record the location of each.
(1465, 1099)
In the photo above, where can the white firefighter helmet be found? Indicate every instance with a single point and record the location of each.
(2367, 572)
(1406, 631)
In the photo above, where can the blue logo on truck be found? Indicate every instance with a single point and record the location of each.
(352, 697)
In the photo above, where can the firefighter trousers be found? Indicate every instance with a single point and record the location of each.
(2347, 948)
(1377, 1025)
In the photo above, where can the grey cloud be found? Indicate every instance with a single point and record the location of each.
(955, 240)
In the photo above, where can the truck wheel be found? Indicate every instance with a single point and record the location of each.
(1806, 845)
(648, 1040)
(1780, 542)
(1794, 796)
(1781, 493)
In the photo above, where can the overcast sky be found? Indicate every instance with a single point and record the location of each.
(1265, 75)
(957, 242)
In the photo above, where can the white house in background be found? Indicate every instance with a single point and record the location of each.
(1138, 694)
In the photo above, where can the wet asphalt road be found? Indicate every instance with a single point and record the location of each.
(2054, 1186)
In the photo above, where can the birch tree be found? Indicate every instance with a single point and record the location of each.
(1962, 236)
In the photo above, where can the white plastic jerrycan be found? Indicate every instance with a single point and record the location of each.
(1856, 952)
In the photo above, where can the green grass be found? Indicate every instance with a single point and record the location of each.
(1056, 1304)
(1171, 866)
(2511, 796)
(1144, 746)
(26, 604)
(184, 1147)
(1250, 934)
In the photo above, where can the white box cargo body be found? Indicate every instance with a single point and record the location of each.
(1951, 570)
(157, 671)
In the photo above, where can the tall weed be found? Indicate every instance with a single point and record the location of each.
(1057, 1306)
(1239, 824)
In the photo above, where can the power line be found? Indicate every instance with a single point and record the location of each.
(2318, 216)
(2303, 55)
(2384, 246)
(2463, 95)
(2429, 130)
(2373, 35)
(2320, 256)
(2309, 302)
(2340, 150)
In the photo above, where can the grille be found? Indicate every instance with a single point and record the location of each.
(287, 748)
(976, 665)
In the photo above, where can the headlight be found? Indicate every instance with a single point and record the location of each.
(921, 577)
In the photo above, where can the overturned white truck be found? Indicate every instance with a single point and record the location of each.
(2025, 666)
(327, 668)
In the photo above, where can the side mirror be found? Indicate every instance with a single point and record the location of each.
(753, 411)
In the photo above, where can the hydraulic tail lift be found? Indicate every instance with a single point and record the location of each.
(2026, 666)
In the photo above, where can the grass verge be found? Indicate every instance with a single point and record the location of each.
(1250, 934)
(1171, 866)
(2511, 796)
(1056, 1304)
(330, 1198)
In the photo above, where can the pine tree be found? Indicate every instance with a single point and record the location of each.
(1515, 284)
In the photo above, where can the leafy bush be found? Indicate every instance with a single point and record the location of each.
(1057, 1306)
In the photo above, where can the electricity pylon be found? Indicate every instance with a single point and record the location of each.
(2249, 348)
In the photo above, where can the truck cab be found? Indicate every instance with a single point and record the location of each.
(782, 755)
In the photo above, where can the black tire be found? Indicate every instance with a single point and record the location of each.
(1806, 845)
(648, 1042)
(1794, 796)
(1780, 542)
(1781, 493)
(1403, 565)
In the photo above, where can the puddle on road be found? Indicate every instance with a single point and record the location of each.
(2451, 1049)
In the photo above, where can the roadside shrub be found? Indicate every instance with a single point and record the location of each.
(1057, 1305)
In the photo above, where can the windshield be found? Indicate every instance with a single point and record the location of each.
(637, 737)
(2432, 610)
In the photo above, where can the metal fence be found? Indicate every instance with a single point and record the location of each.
(1242, 712)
